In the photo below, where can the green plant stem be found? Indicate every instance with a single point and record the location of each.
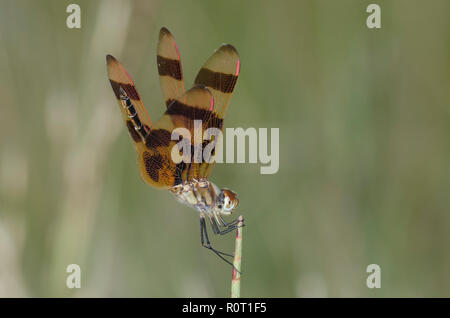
(236, 276)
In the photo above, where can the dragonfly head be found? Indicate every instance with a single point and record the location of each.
(227, 202)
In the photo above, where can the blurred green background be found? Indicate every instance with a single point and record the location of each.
(364, 150)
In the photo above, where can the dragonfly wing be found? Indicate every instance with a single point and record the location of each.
(169, 67)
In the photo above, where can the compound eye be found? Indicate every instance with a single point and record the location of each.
(230, 200)
(226, 202)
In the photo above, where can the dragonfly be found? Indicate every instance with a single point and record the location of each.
(206, 101)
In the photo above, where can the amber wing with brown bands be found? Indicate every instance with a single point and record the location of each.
(119, 78)
(207, 101)
(219, 74)
(155, 164)
(196, 104)
(169, 67)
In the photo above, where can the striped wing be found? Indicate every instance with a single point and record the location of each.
(219, 74)
(133, 110)
(169, 67)
(206, 101)
(140, 127)
(196, 104)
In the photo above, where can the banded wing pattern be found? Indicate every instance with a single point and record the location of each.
(153, 163)
(206, 101)
(133, 110)
(196, 104)
(169, 67)
(219, 74)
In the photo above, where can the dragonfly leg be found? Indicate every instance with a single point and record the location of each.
(226, 224)
(228, 227)
(227, 230)
(204, 236)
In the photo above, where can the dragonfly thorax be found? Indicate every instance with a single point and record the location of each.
(206, 197)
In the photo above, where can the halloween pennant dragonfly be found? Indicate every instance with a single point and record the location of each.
(207, 101)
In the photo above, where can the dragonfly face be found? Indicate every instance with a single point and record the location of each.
(228, 201)
(207, 101)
